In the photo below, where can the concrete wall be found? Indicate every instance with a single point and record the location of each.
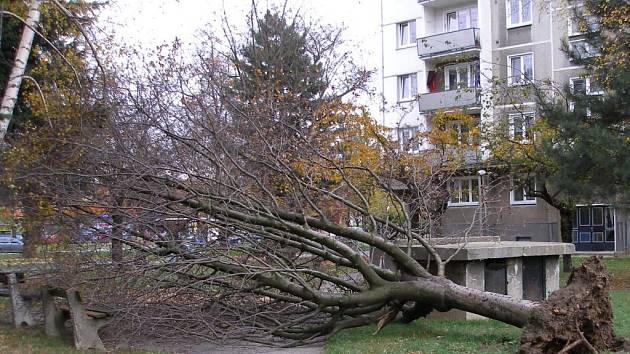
(401, 61)
(622, 230)
(540, 221)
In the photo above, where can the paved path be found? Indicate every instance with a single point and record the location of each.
(167, 346)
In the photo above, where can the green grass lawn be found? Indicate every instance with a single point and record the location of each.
(618, 267)
(34, 341)
(456, 336)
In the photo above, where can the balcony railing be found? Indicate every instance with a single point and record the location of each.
(449, 99)
(448, 43)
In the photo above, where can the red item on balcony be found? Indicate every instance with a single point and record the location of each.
(432, 81)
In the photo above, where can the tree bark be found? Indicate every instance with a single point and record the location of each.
(567, 211)
(32, 235)
(19, 67)
(117, 233)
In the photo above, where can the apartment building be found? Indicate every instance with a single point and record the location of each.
(456, 54)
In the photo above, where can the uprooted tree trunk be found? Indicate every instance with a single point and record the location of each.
(575, 319)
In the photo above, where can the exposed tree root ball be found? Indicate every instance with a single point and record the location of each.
(575, 319)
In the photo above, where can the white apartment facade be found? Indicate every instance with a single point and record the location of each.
(450, 54)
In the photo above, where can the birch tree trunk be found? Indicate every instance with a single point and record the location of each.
(19, 66)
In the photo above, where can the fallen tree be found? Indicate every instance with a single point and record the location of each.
(245, 219)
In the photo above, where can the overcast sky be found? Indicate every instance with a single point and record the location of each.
(153, 22)
(149, 23)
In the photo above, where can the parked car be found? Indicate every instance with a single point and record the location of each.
(10, 244)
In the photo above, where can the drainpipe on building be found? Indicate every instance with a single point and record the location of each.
(482, 204)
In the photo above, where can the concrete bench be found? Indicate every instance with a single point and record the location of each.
(21, 315)
(85, 322)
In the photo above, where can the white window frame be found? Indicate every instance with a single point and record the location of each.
(508, 14)
(526, 138)
(413, 131)
(461, 180)
(522, 79)
(400, 83)
(457, 11)
(525, 200)
(588, 81)
(470, 79)
(411, 35)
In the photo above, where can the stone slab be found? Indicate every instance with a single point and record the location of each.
(491, 250)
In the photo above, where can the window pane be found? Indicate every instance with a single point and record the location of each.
(414, 84)
(584, 216)
(598, 237)
(473, 18)
(465, 191)
(476, 75)
(527, 10)
(518, 194)
(517, 123)
(514, 11)
(608, 218)
(515, 67)
(403, 33)
(593, 86)
(452, 79)
(579, 86)
(610, 236)
(528, 121)
(598, 216)
(528, 67)
(475, 190)
(451, 21)
(404, 86)
(585, 237)
(455, 191)
(463, 77)
(462, 19)
(574, 236)
(412, 31)
(530, 188)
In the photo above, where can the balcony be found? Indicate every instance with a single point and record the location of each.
(449, 99)
(448, 43)
(441, 3)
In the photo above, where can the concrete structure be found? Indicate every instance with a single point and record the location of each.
(523, 270)
(480, 56)
(11, 276)
(85, 323)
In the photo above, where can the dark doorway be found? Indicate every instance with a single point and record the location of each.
(533, 278)
(495, 276)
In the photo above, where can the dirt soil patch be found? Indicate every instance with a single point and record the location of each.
(577, 318)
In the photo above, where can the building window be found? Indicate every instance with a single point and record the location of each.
(461, 19)
(582, 49)
(408, 139)
(520, 194)
(406, 33)
(610, 226)
(465, 75)
(585, 85)
(407, 86)
(519, 13)
(520, 126)
(520, 69)
(574, 236)
(463, 191)
(580, 23)
(461, 131)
